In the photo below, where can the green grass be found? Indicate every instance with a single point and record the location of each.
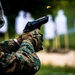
(52, 70)
(71, 41)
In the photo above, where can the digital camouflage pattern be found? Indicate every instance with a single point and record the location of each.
(8, 46)
(19, 60)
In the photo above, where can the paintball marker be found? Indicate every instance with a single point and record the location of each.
(35, 24)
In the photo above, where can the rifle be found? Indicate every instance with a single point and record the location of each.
(35, 24)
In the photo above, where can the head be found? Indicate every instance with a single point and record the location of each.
(60, 12)
(1, 16)
(21, 13)
(28, 15)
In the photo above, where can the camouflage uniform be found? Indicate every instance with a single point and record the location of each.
(20, 62)
(19, 57)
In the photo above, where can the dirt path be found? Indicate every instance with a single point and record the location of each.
(57, 59)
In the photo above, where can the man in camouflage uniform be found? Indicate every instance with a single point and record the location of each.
(18, 56)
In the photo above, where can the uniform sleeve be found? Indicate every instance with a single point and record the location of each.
(26, 59)
(8, 46)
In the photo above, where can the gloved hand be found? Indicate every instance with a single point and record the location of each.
(35, 37)
(22, 37)
(1, 54)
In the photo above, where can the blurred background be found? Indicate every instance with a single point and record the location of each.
(58, 54)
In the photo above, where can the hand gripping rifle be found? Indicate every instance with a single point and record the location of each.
(35, 24)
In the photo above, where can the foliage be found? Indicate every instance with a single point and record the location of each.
(38, 8)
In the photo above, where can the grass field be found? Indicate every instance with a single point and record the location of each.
(51, 70)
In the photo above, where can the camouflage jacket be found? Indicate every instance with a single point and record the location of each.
(19, 60)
